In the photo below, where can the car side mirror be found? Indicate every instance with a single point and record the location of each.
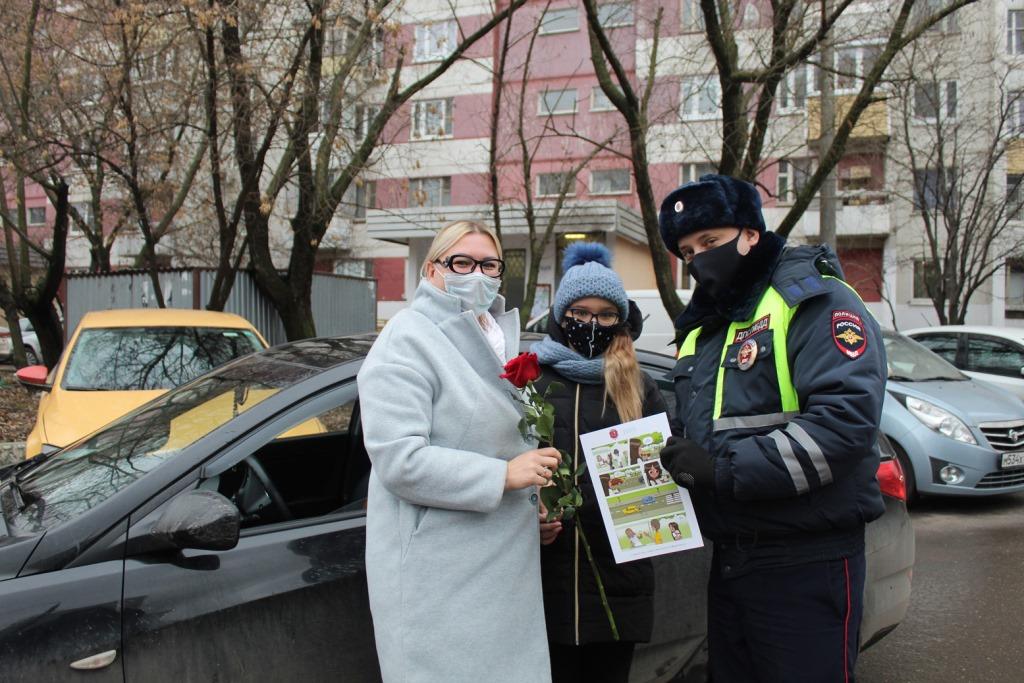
(201, 520)
(34, 377)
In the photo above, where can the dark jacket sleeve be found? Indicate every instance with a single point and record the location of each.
(841, 394)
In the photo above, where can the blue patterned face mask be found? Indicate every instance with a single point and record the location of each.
(476, 290)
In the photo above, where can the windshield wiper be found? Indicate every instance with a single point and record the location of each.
(901, 378)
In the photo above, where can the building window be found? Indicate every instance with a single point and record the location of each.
(701, 97)
(853, 63)
(934, 97)
(927, 8)
(37, 215)
(793, 175)
(614, 14)
(692, 16)
(1015, 285)
(430, 192)
(84, 210)
(560, 21)
(797, 86)
(365, 114)
(751, 16)
(434, 41)
(1015, 31)
(366, 198)
(557, 102)
(155, 66)
(550, 185)
(691, 173)
(432, 119)
(599, 101)
(610, 181)
(926, 274)
(933, 189)
(1014, 197)
(1015, 111)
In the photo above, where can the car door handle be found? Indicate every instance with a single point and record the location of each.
(98, 661)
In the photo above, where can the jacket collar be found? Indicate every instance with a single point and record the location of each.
(464, 332)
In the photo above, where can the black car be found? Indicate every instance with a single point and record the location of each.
(218, 533)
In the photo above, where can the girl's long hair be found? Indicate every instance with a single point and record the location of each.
(622, 380)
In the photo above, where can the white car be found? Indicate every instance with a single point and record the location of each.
(994, 354)
(28, 339)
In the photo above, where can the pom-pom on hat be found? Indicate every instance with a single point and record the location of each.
(714, 201)
(587, 271)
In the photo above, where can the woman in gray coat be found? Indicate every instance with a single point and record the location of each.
(452, 544)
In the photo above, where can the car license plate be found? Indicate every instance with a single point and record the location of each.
(1011, 460)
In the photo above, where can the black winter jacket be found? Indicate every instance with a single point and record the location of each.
(567, 576)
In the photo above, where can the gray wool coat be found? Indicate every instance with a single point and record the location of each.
(452, 560)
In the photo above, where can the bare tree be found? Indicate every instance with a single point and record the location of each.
(301, 106)
(26, 74)
(953, 138)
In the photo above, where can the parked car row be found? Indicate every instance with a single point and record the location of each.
(197, 524)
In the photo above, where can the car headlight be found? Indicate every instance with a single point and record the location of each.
(939, 420)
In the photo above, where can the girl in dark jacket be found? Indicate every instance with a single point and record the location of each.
(589, 350)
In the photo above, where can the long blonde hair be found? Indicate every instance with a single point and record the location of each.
(447, 237)
(623, 383)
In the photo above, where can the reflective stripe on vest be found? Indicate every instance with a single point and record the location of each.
(780, 314)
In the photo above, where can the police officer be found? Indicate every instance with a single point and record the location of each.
(779, 380)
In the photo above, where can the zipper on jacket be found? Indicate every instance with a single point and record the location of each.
(576, 526)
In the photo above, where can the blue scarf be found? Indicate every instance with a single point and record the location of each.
(568, 363)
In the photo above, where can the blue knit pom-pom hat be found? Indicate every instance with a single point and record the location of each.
(587, 268)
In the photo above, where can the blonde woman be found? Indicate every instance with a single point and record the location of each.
(451, 532)
(589, 350)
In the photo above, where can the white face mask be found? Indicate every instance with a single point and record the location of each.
(476, 290)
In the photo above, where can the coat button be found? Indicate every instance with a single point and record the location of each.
(533, 498)
(727, 568)
(693, 394)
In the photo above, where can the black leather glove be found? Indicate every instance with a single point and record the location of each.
(690, 465)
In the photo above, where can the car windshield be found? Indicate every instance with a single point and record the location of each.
(140, 358)
(88, 473)
(909, 361)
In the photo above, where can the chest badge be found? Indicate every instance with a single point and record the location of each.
(747, 355)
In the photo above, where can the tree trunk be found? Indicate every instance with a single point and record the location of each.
(49, 331)
(11, 313)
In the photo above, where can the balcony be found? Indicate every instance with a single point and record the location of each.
(873, 125)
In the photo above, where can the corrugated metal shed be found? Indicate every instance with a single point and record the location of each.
(341, 304)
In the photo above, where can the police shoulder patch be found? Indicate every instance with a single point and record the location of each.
(848, 334)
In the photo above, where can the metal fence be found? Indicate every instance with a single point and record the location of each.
(341, 304)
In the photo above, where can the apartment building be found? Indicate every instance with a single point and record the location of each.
(440, 172)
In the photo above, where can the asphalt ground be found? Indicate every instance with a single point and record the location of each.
(966, 616)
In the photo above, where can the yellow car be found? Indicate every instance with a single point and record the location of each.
(118, 360)
(631, 509)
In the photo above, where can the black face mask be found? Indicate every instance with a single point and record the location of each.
(715, 269)
(589, 339)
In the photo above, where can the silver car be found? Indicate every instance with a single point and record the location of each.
(954, 435)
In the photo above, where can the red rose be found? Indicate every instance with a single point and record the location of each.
(522, 369)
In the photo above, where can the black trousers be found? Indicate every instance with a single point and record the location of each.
(798, 623)
(591, 663)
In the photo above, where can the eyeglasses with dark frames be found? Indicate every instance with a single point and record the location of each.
(582, 315)
(462, 264)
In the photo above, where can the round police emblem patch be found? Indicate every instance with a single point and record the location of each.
(747, 356)
(678, 207)
(848, 334)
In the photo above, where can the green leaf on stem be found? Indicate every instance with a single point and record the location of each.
(553, 388)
